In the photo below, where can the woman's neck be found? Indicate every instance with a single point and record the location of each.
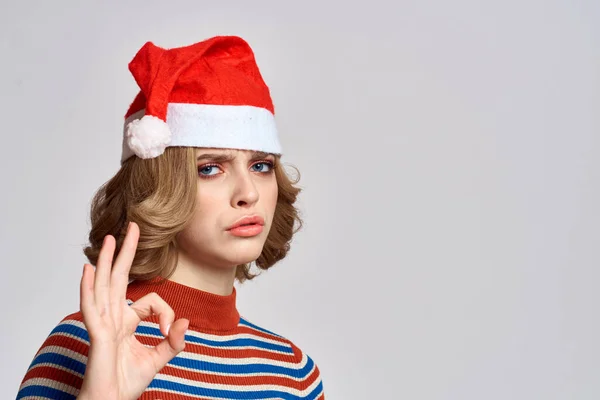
(217, 280)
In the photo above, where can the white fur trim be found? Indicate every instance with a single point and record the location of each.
(147, 137)
(220, 126)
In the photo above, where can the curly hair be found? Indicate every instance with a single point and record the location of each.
(159, 194)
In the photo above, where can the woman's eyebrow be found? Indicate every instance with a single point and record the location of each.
(215, 157)
(222, 158)
(256, 155)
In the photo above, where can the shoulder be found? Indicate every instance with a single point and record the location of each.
(57, 368)
(279, 342)
(72, 326)
(69, 334)
(302, 367)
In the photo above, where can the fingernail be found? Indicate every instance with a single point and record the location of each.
(128, 226)
(168, 327)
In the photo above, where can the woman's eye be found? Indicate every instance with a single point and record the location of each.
(207, 169)
(262, 164)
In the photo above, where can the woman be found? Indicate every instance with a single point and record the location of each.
(200, 195)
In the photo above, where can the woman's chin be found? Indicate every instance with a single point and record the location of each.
(243, 254)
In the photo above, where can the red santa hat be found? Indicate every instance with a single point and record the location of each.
(208, 94)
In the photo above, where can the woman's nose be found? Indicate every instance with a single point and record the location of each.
(245, 192)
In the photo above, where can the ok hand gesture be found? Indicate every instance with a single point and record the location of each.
(119, 367)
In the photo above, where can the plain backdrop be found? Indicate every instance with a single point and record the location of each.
(449, 160)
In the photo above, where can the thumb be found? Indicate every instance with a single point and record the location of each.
(172, 345)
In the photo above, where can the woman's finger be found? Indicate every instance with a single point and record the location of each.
(87, 303)
(122, 265)
(150, 304)
(170, 346)
(102, 276)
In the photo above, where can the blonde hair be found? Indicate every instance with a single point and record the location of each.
(159, 194)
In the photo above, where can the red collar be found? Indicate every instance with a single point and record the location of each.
(204, 310)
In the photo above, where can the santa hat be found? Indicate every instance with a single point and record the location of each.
(208, 94)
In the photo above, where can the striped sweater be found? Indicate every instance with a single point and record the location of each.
(225, 357)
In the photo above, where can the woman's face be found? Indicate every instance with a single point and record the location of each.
(232, 184)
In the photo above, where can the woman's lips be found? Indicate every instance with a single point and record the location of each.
(246, 230)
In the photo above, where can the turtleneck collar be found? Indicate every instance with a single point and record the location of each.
(203, 309)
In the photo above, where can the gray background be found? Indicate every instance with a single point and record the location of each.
(449, 161)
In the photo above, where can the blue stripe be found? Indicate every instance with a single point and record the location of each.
(71, 329)
(241, 342)
(230, 394)
(59, 359)
(45, 392)
(234, 369)
(315, 393)
(244, 321)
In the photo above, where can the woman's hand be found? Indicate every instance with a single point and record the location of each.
(119, 367)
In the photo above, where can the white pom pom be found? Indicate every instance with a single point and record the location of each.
(148, 137)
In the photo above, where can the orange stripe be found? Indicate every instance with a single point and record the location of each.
(68, 342)
(150, 394)
(55, 374)
(240, 380)
(220, 352)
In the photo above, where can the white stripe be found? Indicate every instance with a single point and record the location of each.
(51, 384)
(33, 398)
(64, 352)
(74, 322)
(239, 388)
(245, 323)
(220, 338)
(232, 348)
(213, 125)
(71, 336)
(57, 366)
(177, 392)
(243, 361)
